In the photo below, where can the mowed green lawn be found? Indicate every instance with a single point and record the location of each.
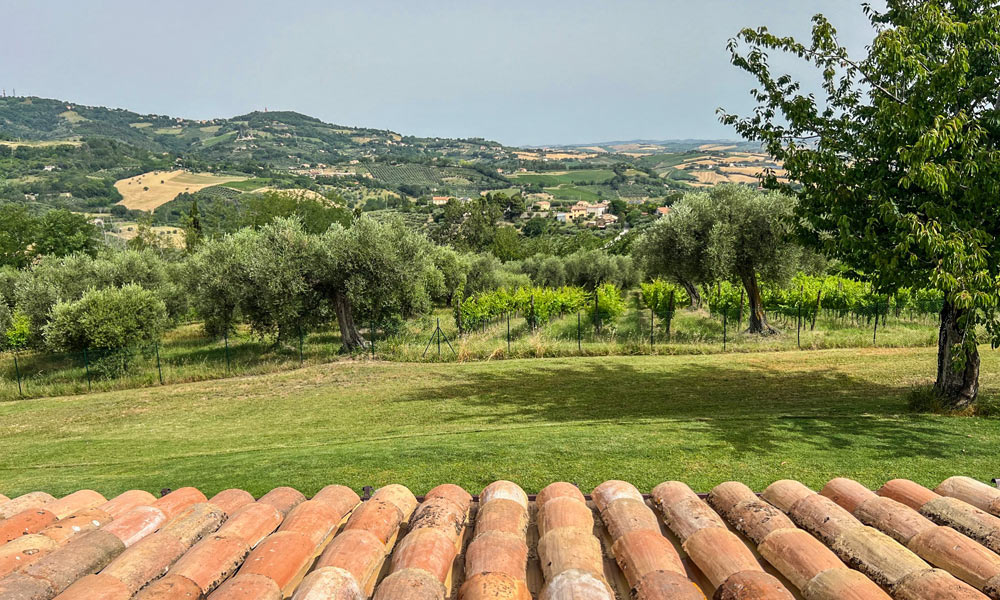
(702, 419)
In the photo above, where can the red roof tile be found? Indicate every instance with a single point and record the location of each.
(845, 543)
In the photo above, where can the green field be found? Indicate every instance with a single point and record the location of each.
(249, 185)
(754, 417)
(564, 177)
(573, 192)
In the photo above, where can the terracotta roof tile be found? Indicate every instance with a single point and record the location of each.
(177, 501)
(252, 523)
(29, 501)
(571, 557)
(940, 546)
(82, 521)
(74, 502)
(24, 523)
(172, 587)
(845, 543)
(126, 501)
(283, 498)
(231, 500)
(973, 492)
(496, 561)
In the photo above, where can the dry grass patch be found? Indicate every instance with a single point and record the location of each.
(150, 190)
(710, 177)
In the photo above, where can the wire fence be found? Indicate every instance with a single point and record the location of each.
(188, 355)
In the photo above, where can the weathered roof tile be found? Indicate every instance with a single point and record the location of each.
(504, 545)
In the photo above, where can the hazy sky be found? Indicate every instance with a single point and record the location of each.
(521, 72)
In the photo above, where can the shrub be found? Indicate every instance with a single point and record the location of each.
(115, 324)
(17, 334)
(610, 305)
(656, 295)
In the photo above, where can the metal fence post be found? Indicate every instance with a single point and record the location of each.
(670, 313)
(739, 319)
(875, 333)
(159, 370)
(373, 339)
(652, 324)
(86, 366)
(798, 325)
(226, 338)
(439, 336)
(508, 333)
(725, 326)
(17, 371)
(579, 333)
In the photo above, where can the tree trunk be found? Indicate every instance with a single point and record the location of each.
(957, 380)
(693, 296)
(350, 337)
(758, 319)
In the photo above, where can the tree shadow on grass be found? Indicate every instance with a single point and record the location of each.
(750, 408)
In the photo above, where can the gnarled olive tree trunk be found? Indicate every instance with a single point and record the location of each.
(758, 319)
(694, 296)
(350, 337)
(957, 375)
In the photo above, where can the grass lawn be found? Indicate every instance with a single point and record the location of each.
(703, 419)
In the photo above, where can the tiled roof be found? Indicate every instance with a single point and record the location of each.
(846, 542)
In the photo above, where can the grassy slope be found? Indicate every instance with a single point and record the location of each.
(756, 418)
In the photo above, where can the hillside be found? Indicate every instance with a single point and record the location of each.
(112, 163)
(280, 138)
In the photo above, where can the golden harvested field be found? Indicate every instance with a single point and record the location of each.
(168, 236)
(150, 190)
(715, 147)
(709, 177)
(737, 178)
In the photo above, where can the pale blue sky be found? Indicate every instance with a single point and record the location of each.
(521, 72)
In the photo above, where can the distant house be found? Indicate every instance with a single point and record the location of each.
(662, 211)
(440, 200)
(597, 209)
(564, 217)
(579, 209)
(543, 205)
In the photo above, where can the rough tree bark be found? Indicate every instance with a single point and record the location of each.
(957, 383)
(350, 337)
(693, 296)
(758, 319)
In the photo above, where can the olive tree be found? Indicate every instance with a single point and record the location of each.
(374, 270)
(731, 232)
(896, 160)
(591, 268)
(752, 240)
(675, 247)
(266, 277)
(115, 324)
